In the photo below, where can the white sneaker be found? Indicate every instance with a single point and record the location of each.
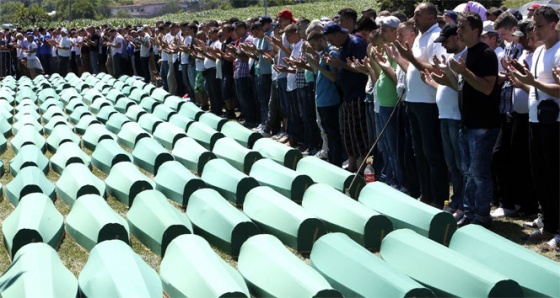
(501, 212)
(322, 154)
(536, 224)
(278, 136)
(458, 214)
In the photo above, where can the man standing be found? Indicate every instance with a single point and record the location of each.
(479, 103)
(422, 110)
(353, 85)
(64, 52)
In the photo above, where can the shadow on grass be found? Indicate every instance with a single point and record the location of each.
(508, 229)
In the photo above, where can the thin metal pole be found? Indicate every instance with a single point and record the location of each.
(265, 7)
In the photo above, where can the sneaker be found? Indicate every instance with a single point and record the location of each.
(458, 214)
(284, 139)
(553, 244)
(264, 133)
(535, 224)
(537, 236)
(501, 212)
(322, 154)
(464, 221)
(259, 127)
(278, 136)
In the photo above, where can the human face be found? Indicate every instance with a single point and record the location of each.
(240, 31)
(405, 35)
(506, 34)
(258, 33)
(283, 22)
(466, 33)
(292, 37)
(422, 20)
(450, 44)
(530, 13)
(388, 34)
(346, 23)
(542, 29)
(333, 39)
(317, 44)
(489, 40)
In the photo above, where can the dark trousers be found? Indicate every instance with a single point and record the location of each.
(502, 163)
(117, 65)
(428, 150)
(295, 124)
(214, 91)
(522, 180)
(264, 83)
(406, 153)
(46, 62)
(544, 146)
(63, 65)
(247, 102)
(145, 69)
(331, 126)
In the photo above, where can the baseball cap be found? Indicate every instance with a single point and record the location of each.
(488, 27)
(389, 21)
(521, 28)
(64, 30)
(265, 19)
(534, 6)
(333, 27)
(451, 14)
(286, 14)
(447, 31)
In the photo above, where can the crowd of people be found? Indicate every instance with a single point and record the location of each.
(463, 98)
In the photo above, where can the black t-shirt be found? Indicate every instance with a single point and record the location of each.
(227, 66)
(95, 39)
(478, 110)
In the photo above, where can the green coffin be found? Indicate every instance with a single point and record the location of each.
(212, 120)
(176, 182)
(148, 104)
(29, 155)
(174, 102)
(163, 112)
(105, 113)
(78, 113)
(190, 110)
(98, 104)
(73, 104)
(168, 134)
(149, 155)
(77, 180)
(96, 133)
(191, 268)
(115, 122)
(3, 146)
(155, 222)
(92, 221)
(228, 181)
(29, 113)
(241, 134)
(149, 88)
(149, 122)
(84, 124)
(236, 155)
(29, 180)
(37, 271)
(25, 92)
(5, 127)
(221, 224)
(204, 135)
(409, 213)
(114, 96)
(125, 181)
(53, 111)
(107, 154)
(278, 152)
(91, 95)
(46, 93)
(27, 120)
(356, 272)
(283, 180)
(323, 172)
(159, 94)
(191, 154)
(49, 103)
(130, 134)
(181, 121)
(271, 270)
(28, 135)
(55, 121)
(443, 270)
(113, 269)
(61, 134)
(342, 214)
(537, 275)
(27, 106)
(277, 215)
(134, 112)
(34, 220)
(137, 95)
(67, 154)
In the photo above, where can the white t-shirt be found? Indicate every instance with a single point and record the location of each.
(65, 43)
(520, 98)
(209, 63)
(542, 66)
(119, 39)
(77, 45)
(296, 48)
(423, 48)
(447, 99)
(24, 44)
(187, 40)
(145, 50)
(54, 49)
(30, 55)
(282, 54)
(500, 54)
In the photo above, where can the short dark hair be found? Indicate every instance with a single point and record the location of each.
(548, 13)
(474, 20)
(315, 35)
(506, 21)
(366, 23)
(399, 14)
(240, 24)
(431, 9)
(494, 11)
(348, 13)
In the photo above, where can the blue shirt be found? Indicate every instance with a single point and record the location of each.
(353, 84)
(264, 66)
(326, 93)
(44, 48)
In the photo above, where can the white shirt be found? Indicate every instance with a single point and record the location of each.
(281, 55)
(54, 49)
(145, 47)
(187, 40)
(209, 63)
(296, 48)
(423, 48)
(542, 66)
(119, 39)
(65, 43)
(447, 99)
(77, 45)
(500, 54)
(520, 97)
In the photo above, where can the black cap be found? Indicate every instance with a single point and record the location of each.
(447, 31)
(265, 19)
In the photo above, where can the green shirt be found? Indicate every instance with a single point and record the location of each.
(386, 90)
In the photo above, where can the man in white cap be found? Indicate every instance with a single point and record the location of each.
(64, 52)
(491, 37)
